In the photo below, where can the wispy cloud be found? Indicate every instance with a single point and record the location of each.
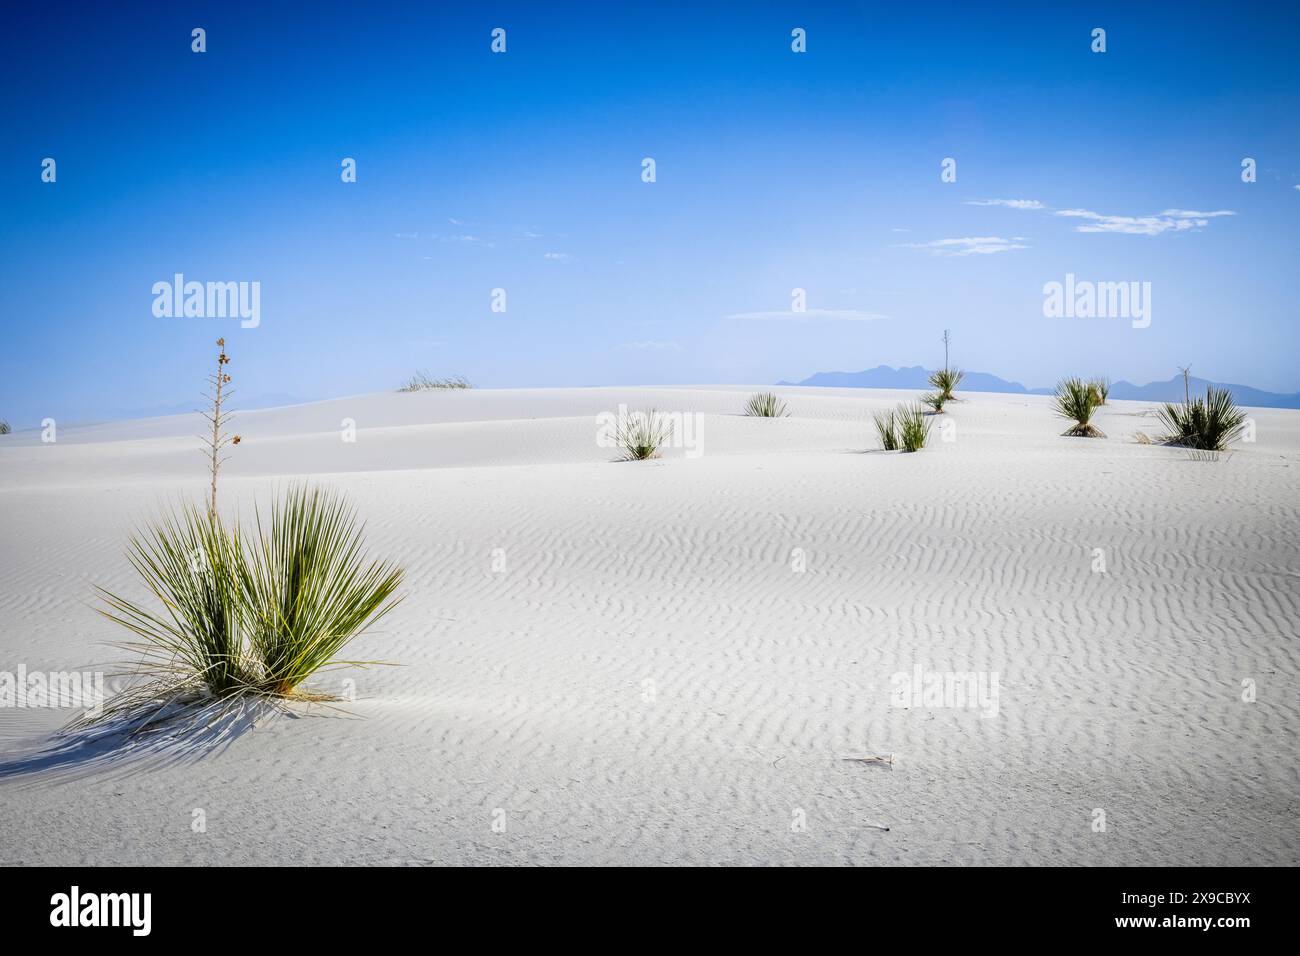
(789, 315)
(1171, 220)
(558, 256)
(1009, 203)
(648, 346)
(970, 245)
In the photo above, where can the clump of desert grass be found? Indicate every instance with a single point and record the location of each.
(934, 401)
(640, 434)
(424, 382)
(1075, 400)
(765, 405)
(944, 381)
(906, 428)
(887, 430)
(1208, 425)
(1101, 387)
(4, 427)
(236, 617)
(913, 427)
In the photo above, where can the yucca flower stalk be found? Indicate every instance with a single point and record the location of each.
(218, 418)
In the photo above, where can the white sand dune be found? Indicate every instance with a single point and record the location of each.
(649, 680)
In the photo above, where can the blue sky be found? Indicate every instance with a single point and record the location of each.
(522, 171)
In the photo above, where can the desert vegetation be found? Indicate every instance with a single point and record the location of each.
(906, 428)
(1207, 424)
(944, 381)
(886, 431)
(1075, 400)
(765, 405)
(640, 434)
(424, 382)
(1101, 388)
(236, 615)
(4, 427)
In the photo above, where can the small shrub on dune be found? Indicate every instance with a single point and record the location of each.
(934, 401)
(192, 645)
(765, 405)
(307, 589)
(241, 618)
(423, 382)
(945, 381)
(246, 617)
(885, 431)
(913, 427)
(4, 427)
(1075, 400)
(1101, 388)
(1208, 424)
(641, 434)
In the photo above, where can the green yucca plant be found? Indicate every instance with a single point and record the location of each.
(193, 643)
(934, 401)
(886, 431)
(1075, 400)
(944, 381)
(765, 405)
(1101, 388)
(1208, 424)
(307, 588)
(424, 382)
(913, 427)
(640, 434)
(247, 615)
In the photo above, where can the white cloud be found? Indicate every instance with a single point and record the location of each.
(1171, 220)
(558, 256)
(971, 245)
(840, 315)
(1009, 203)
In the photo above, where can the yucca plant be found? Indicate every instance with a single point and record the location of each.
(1075, 400)
(641, 433)
(934, 401)
(913, 427)
(191, 642)
(4, 427)
(765, 405)
(307, 588)
(246, 616)
(885, 431)
(1101, 388)
(1208, 424)
(423, 382)
(944, 381)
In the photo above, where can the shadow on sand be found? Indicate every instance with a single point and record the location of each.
(128, 744)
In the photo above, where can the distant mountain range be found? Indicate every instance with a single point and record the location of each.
(914, 377)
